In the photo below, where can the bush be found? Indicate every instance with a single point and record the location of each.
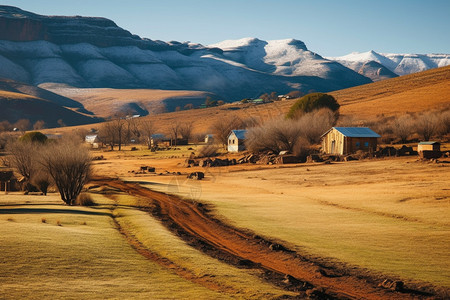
(312, 102)
(277, 135)
(34, 137)
(207, 151)
(84, 199)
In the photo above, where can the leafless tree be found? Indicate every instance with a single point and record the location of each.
(5, 126)
(23, 157)
(147, 128)
(185, 130)
(222, 127)
(69, 164)
(276, 135)
(175, 131)
(403, 127)
(39, 125)
(113, 132)
(316, 123)
(444, 123)
(23, 125)
(427, 125)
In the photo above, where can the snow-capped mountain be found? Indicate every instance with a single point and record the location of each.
(397, 64)
(95, 52)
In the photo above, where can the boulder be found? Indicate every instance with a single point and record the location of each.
(196, 175)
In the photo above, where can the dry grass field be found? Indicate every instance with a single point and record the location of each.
(106, 102)
(52, 250)
(386, 216)
(365, 220)
(393, 97)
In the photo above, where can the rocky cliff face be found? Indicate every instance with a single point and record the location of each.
(95, 52)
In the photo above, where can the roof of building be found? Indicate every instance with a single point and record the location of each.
(240, 134)
(356, 132)
(428, 143)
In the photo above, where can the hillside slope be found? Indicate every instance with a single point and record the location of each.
(21, 101)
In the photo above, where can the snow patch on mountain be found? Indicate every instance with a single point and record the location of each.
(400, 64)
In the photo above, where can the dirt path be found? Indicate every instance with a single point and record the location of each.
(192, 219)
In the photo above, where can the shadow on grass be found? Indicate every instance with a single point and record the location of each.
(33, 210)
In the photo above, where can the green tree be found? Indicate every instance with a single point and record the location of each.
(311, 102)
(34, 137)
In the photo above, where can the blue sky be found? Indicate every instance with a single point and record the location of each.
(330, 28)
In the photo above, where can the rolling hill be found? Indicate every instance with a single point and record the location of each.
(22, 101)
(392, 97)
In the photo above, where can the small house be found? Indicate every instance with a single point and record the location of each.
(429, 149)
(94, 140)
(236, 140)
(209, 139)
(346, 140)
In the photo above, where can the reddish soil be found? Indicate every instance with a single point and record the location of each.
(192, 219)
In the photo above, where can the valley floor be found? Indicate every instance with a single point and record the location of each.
(372, 219)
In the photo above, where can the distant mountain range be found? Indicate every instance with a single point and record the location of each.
(89, 52)
(379, 66)
(95, 52)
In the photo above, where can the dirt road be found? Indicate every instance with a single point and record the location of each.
(192, 219)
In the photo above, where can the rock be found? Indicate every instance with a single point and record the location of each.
(314, 158)
(196, 175)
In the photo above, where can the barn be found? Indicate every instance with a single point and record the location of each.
(346, 140)
(236, 140)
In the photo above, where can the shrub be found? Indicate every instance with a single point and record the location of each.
(277, 135)
(207, 151)
(403, 127)
(84, 199)
(34, 137)
(311, 102)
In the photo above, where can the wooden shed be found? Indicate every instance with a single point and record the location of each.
(429, 149)
(236, 140)
(346, 140)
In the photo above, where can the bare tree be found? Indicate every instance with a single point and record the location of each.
(174, 131)
(5, 126)
(23, 158)
(403, 127)
(23, 125)
(223, 126)
(69, 164)
(427, 125)
(39, 125)
(276, 135)
(185, 130)
(113, 132)
(147, 129)
(316, 123)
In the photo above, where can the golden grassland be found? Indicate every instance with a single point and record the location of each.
(392, 97)
(388, 216)
(51, 250)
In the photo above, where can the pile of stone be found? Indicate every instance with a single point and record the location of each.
(144, 170)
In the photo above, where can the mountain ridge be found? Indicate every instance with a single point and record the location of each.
(89, 52)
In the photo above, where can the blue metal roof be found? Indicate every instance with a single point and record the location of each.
(357, 132)
(240, 134)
